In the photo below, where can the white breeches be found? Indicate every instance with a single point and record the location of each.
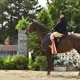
(55, 34)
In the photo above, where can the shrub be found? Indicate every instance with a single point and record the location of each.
(20, 60)
(1, 63)
(8, 64)
(41, 61)
(32, 65)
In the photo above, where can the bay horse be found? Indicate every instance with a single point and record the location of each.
(65, 44)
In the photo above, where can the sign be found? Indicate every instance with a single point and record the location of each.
(22, 41)
(6, 50)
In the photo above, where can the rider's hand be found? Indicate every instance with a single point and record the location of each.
(53, 30)
(51, 37)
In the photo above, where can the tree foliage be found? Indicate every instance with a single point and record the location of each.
(71, 8)
(34, 44)
(45, 18)
(12, 11)
(22, 24)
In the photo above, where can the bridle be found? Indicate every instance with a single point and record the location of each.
(44, 32)
(28, 31)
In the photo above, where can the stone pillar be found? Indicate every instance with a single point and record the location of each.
(22, 42)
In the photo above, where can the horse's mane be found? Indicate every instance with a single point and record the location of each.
(42, 26)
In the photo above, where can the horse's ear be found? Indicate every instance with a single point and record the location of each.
(31, 20)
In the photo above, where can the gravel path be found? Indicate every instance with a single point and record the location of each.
(37, 75)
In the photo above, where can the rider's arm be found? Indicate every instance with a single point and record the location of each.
(58, 25)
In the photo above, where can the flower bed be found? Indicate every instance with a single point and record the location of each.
(63, 64)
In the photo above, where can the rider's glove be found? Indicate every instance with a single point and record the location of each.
(53, 30)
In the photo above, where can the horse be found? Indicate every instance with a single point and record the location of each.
(64, 44)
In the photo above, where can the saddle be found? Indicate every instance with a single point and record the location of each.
(54, 42)
(58, 38)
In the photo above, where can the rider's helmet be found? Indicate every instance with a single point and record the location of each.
(62, 12)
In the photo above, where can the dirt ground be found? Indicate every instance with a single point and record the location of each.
(37, 75)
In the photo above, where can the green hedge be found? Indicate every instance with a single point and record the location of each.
(2, 63)
(13, 62)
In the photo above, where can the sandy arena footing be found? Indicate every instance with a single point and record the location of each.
(37, 75)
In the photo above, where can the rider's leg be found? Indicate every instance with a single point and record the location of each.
(56, 34)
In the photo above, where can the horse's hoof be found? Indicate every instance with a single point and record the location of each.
(48, 74)
(78, 77)
(79, 74)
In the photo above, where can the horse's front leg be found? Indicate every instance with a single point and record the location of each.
(79, 74)
(49, 69)
(49, 61)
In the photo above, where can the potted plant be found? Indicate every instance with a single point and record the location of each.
(60, 65)
(78, 65)
(42, 62)
(22, 24)
(63, 65)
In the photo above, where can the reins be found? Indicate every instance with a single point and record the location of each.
(39, 32)
(43, 32)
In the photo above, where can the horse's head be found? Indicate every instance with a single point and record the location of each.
(31, 28)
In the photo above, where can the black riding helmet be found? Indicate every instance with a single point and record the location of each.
(62, 12)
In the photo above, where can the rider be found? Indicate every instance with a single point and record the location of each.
(60, 27)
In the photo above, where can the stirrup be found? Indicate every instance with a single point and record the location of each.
(58, 39)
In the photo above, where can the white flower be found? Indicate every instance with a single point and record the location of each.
(55, 62)
(63, 62)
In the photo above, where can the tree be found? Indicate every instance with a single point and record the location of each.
(12, 11)
(71, 8)
(76, 26)
(34, 44)
(45, 18)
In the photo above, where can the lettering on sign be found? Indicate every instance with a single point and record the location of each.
(6, 50)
